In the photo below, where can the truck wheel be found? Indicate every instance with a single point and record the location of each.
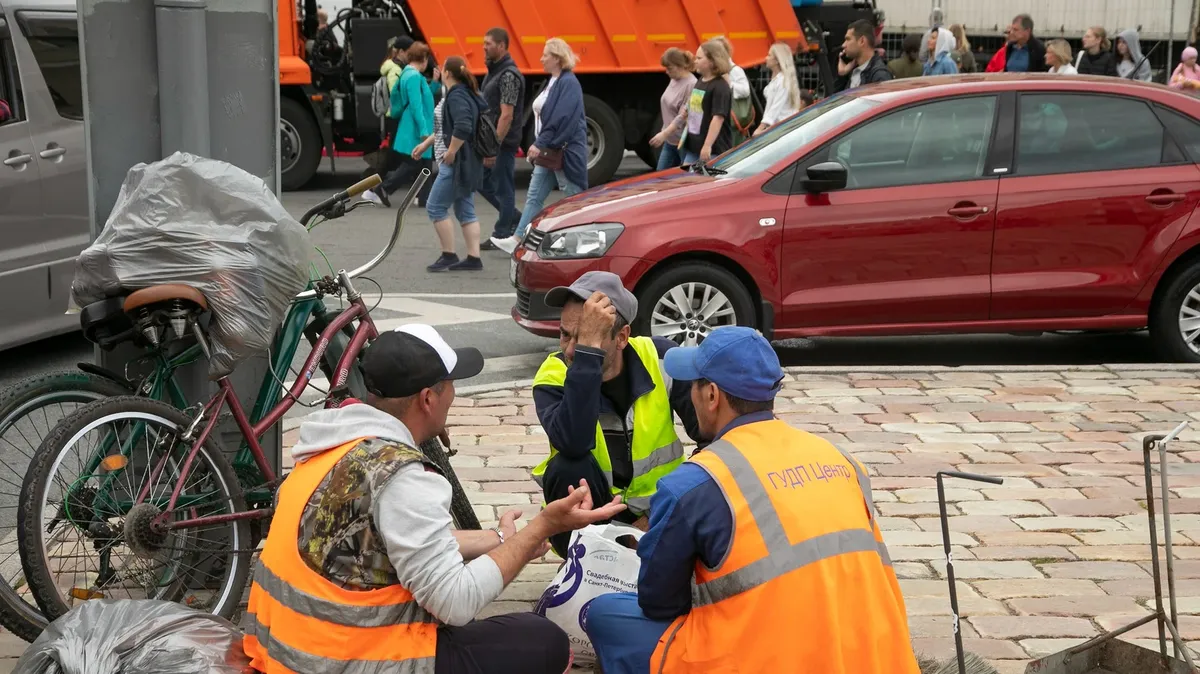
(1175, 317)
(606, 140)
(299, 144)
(686, 302)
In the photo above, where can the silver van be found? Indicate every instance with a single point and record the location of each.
(43, 181)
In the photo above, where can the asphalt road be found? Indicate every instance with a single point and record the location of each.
(473, 308)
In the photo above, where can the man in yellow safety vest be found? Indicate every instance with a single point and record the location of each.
(606, 403)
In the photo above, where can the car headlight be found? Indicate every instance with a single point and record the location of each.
(580, 242)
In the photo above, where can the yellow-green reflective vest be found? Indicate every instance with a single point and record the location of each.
(655, 447)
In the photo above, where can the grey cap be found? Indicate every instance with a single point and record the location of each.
(597, 281)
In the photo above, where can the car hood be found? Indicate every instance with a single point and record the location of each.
(611, 202)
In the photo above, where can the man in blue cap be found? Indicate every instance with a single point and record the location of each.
(763, 550)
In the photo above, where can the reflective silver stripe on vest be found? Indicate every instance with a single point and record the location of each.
(864, 483)
(782, 556)
(299, 661)
(340, 614)
(639, 503)
(659, 457)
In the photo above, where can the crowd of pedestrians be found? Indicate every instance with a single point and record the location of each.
(432, 116)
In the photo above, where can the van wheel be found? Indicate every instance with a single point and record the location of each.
(687, 301)
(299, 145)
(606, 140)
(1175, 318)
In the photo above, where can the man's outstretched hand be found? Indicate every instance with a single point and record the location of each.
(575, 511)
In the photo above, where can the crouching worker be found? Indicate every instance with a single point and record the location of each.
(605, 402)
(763, 554)
(361, 570)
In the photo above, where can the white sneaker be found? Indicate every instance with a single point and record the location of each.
(370, 196)
(507, 245)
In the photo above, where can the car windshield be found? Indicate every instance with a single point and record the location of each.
(780, 141)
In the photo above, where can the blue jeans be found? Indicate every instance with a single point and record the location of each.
(500, 190)
(441, 198)
(669, 157)
(690, 157)
(624, 638)
(540, 186)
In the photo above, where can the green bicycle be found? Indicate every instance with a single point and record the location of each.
(31, 411)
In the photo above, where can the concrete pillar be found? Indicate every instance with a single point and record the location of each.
(200, 76)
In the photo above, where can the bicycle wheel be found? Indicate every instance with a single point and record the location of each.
(28, 413)
(460, 508)
(90, 503)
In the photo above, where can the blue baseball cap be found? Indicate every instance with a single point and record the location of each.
(738, 360)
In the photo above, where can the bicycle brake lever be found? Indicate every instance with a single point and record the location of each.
(362, 202)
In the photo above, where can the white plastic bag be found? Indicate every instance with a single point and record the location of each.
(596, 564)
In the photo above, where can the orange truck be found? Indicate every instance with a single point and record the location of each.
(327, 72)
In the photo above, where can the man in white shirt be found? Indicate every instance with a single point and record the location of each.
(362, 568)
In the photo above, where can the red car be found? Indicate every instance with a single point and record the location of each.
(970, 203)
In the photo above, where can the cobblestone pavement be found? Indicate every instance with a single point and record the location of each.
(1057, 554)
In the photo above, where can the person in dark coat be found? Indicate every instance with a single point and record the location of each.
(859, 63)
(1024, 52)
(560, 148)
(1096, 57)
(461, 171)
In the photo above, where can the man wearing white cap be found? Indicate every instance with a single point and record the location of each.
(362, 571)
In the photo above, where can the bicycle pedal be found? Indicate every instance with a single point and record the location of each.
(85, 594)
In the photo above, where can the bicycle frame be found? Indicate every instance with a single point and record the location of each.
(251, 432)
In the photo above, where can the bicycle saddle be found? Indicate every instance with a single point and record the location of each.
(163, 293)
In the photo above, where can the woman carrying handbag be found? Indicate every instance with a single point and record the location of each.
(559, 151)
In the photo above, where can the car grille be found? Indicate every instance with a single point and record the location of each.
(523, 302)
(534, 239)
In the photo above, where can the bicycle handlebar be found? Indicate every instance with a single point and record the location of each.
(418, 183)
(363, 185)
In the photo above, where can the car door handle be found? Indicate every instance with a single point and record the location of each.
(52, 152)
(967, 211)
(13, 161)
(1165, 198)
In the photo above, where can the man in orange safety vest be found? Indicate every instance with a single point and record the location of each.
(764, 553)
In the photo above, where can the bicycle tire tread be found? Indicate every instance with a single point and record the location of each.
(460, 506)
(12, 618)
(44, 589)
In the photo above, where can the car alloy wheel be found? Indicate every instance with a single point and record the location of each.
(1189, 319)
(689, 312)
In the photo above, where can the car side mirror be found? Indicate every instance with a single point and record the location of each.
(827, 176)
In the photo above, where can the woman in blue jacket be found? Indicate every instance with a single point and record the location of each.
(412, 104)
(560, 150)
(941, 45)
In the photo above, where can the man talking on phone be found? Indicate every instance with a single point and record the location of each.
(606, 403)
(859, 63)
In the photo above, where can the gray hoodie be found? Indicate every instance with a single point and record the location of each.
(1137, 68)
(412, 513)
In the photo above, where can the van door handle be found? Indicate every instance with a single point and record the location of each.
(17, 160)
(1165, 198)
(967, 211)
(52, 151)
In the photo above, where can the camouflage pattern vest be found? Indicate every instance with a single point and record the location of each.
(338, 538)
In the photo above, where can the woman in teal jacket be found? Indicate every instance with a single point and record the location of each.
(412, 104)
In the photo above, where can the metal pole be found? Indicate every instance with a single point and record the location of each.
(182, 33)
(958, 646)
(1166, 512)
(1147, 444)
(1170, 52)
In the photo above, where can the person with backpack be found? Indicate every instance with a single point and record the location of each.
(381, 101)
(460, 174)
(412, 106)
(560, 150)
(504, 91)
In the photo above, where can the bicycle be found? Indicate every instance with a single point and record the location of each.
(91, 384)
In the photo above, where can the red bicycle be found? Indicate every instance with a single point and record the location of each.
(153, 494)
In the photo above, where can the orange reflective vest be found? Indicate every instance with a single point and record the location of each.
(298, 621)
(807, 584)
